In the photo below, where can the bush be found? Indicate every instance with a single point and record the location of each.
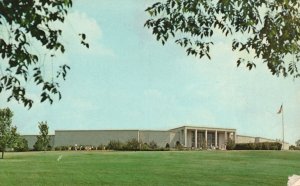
(145, 147)
(132, 144)
(167, 146)
(178, 145)
(241, 146)
(293, 147)
(153, 145)
(21, 145)
(266, 146)
(38, 146)
(62, 148)
(230, 144)
(258, 146)
(251, 146)
(115, 145)
(101, 147)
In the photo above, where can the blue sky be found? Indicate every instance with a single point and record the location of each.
(128, 80)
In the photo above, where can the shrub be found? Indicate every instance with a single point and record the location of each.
(293, 147)
(88, 147)
(145, 146)
(57, 148)
(178, 145)
(258, 146)
(115, 145)
(101, 147)
(163, 149)
(276, 146)
(81, 147)
(167, 146)
(241, 146)
(266, 146)
(38, 146)
(153, 145)
(132, 144)
(21, 145)
(230, 144)
(252, 146)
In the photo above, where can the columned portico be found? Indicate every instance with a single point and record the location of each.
(204, 137)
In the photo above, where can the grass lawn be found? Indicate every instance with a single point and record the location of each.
(150, 168)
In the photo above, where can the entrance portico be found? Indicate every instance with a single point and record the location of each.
(205, 137)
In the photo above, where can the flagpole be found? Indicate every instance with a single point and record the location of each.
(282, 128)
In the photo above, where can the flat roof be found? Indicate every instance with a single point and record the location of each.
(204, 128)
(117, 130)
(94, 130)
(238, 135)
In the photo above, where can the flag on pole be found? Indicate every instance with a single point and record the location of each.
(280, 110)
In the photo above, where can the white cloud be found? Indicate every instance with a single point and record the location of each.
(76, 23)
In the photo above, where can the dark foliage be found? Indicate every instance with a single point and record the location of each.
(271, 29)
(115, 145)
(258, 146)
(230, 144)
(132, 144)
(21, 145)
(293, 147)
(27, 25)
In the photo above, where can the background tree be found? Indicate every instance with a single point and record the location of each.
(8, 133)
(21, 145)
(266, 29)
(298, 143)
(25, 25)
(43, 140)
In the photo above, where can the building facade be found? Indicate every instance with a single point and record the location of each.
(187, 136)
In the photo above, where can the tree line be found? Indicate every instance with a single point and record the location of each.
(11, 139)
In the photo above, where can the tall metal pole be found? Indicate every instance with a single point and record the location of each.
(282, 128)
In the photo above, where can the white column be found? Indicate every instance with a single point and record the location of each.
(196, 138)
(216, 139)
(225, 140)
(234, 137)
(185, 137)
(205, 138)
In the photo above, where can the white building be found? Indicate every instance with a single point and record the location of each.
(194, 137)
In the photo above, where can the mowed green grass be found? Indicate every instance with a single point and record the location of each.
(150, 168)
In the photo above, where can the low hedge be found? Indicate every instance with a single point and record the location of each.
(258, 146)
(292, 147)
